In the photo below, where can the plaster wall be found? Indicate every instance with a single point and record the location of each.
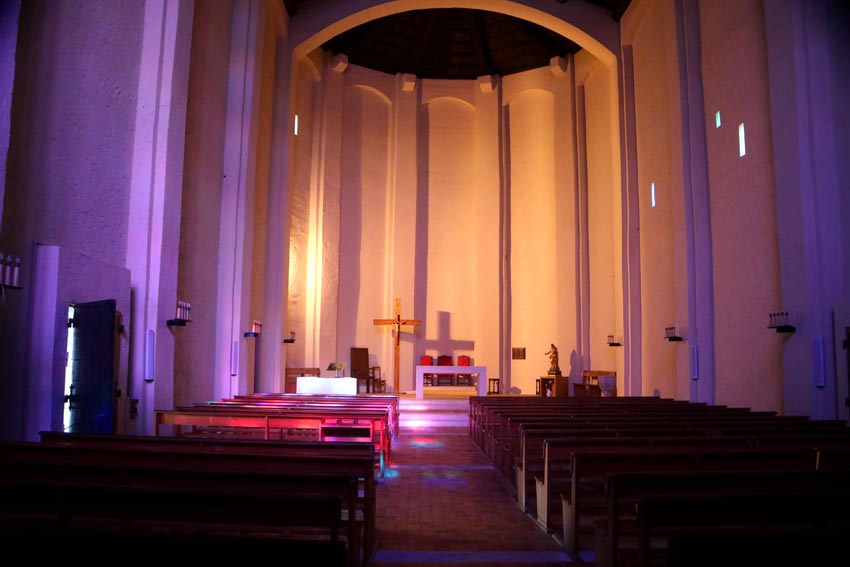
(69, 158)
(743, 208)
(533, 228)
(653, 66)
(448, 158)
(9, 15)
(201, 200)
(603, 226)
(301, 272)
(363, 219)
(261, 189)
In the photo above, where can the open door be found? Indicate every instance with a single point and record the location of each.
(91, 387)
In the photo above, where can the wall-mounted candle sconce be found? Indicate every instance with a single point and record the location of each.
(671, 335)
(291, 338)
(256, 329)
(612, 341)
(184, 314)
(10, 271)
(780, 321)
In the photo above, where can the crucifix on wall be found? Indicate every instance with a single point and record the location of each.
(396, 322)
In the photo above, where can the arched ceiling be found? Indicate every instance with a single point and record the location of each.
(453, 43)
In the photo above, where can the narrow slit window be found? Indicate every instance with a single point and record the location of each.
(717, 119)
(742, 140)
(295, 129)
(652, 194)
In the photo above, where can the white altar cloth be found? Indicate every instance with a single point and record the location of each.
(346, 385)
(481, 371)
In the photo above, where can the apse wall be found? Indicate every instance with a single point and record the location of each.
(446, 159)
(200, 212)
(603, 225)
(302, 242)
(363, 223)
(69, 162)
(748, 358)
(657, 102)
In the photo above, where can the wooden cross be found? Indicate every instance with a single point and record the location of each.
(396, 323)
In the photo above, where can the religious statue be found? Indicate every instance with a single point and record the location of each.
(553, 360)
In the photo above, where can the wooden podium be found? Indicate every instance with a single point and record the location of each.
(553, 386)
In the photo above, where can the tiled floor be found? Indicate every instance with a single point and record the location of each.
(441, 503)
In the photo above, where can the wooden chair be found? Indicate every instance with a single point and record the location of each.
(599, 382)
(428, 378)
(464, 379)
(445, 360)
(379, 385)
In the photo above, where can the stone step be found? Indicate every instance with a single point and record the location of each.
(434, 413)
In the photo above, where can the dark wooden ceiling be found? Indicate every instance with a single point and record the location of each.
(453, 43)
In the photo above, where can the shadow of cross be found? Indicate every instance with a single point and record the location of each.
(444, 344)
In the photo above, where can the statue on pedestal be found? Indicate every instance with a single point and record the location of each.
(553, 361)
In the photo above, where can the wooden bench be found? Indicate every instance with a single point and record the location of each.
(342, 469)
(659, 516)
(585, 498)
(616, 534)
(54, 544)
(761, 545)
(370, 423)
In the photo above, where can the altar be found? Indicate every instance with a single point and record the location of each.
(480, 371)
(346, 385)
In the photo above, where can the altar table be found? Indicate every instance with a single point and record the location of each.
(346, 385)
(481, 371)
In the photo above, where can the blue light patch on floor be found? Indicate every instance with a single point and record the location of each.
(450, 467)
(490, 557)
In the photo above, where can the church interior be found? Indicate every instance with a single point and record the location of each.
(206, 200)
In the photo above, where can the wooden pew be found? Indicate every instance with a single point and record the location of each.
(552, 458)
(588, 473)
(762, 545)
(55, 544)
(307, 467)
(659, 516)
(616, 534)
(390, 401)
(265, 420)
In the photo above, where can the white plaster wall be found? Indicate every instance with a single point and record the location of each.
(363, 221)
(256, 307)
(301, 351)
(201, 204)
(603, 226)
(653, 69)
(743, 208)
(70, 149)
(533, 237)
(450, 248)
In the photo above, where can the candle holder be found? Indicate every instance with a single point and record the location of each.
(780, 321)
(671, 335)
(184, 315)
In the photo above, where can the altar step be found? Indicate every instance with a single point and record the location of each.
(432, 413)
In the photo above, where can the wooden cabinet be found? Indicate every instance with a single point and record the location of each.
(553, 386)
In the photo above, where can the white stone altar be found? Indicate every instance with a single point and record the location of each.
(345, 385)
(481, 371)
